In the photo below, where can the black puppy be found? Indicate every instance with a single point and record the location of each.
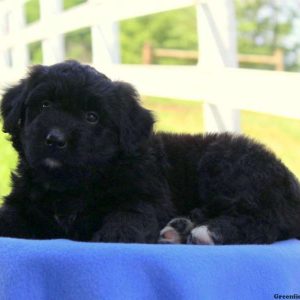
(91, 168)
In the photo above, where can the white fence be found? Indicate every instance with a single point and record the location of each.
(216, 80)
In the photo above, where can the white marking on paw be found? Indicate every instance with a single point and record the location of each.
(170, 235)
(202, 236)
(52, 163)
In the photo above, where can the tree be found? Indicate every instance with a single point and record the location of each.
(172, 29)
(265, 25)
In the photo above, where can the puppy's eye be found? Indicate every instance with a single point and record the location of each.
(92, 117)
(46, 104)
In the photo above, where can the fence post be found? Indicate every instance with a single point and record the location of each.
(217, 49)
(147, 56)
(279, 59)
(16, 22)
(53, 46)
(105, 40)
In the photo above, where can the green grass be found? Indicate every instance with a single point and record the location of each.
(8, 161)
(282, 135)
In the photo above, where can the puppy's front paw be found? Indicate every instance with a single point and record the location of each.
(176, 231)
(120, 235)
(201, 235)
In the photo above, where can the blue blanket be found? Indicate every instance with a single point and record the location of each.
(61, 269)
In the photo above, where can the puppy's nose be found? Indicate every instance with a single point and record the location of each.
(56, 139)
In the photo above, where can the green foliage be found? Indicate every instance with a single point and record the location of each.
(35, 52)
(173, 29)
(32, 11)
(264, 26)
(78, 45)
(70, 3)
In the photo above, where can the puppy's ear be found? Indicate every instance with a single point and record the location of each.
(135, 122)
(12, 108)
(12, 105)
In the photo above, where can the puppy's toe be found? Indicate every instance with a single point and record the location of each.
(176, 231)
(169, 235)
(201, 236)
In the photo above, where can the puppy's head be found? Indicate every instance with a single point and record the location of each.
(68, 121)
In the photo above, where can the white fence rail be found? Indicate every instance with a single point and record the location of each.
(224, 88)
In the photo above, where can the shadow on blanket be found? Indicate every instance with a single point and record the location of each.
(62, 269)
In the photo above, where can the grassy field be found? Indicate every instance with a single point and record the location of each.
(282, 135)
(8, 160)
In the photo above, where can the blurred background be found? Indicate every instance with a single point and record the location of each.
(266, 37)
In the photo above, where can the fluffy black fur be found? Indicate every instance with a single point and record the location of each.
(91, 168)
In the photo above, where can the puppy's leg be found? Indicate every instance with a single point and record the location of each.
(235, 230)
(176, 231)
(128, 227)
(12, 224)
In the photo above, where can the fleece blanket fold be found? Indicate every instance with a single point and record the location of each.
(62, 269)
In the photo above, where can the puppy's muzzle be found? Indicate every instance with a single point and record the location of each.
(56, 139)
